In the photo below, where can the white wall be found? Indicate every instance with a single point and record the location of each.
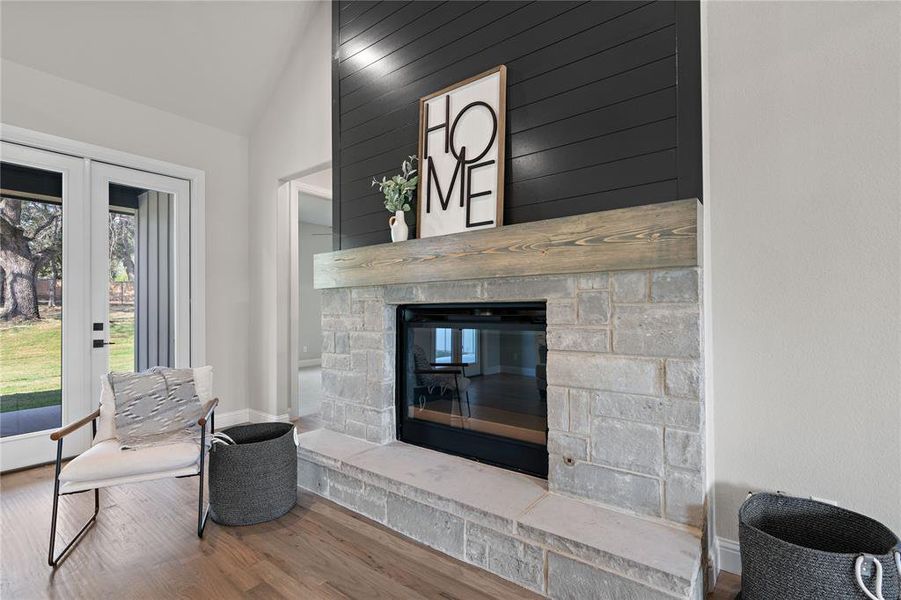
(42, 102)
(292, 136)
(314, 239)
(804, 210)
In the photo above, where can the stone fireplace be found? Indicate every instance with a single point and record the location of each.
(624, 500)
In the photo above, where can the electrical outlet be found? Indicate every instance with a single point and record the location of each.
(305, 349)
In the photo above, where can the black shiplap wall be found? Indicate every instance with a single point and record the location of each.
(603, 100)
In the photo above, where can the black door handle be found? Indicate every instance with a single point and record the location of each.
(102, 343)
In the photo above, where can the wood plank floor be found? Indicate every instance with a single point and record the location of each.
(144, 546)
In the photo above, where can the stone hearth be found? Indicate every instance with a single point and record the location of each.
(505, 522)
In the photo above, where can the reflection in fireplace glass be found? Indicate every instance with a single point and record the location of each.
(474, 382)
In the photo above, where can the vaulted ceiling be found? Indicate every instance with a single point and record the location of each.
(212, 62)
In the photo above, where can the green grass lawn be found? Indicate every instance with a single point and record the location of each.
(31, 358)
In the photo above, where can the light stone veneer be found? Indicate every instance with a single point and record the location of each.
(625, 405)
(507, 523)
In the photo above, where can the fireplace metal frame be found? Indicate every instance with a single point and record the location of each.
(507, 453)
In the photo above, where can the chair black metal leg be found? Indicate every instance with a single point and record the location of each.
(52, 559)
(202, 513)
(459, 402)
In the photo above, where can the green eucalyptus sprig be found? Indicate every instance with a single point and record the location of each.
(399, 189)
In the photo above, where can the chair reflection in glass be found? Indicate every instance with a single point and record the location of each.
(443, 377)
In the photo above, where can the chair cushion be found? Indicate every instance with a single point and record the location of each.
(106, 461)
(72, 487)
(106, 424)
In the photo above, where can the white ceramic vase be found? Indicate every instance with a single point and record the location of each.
(399, 230)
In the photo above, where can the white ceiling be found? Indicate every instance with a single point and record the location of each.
(212, 62)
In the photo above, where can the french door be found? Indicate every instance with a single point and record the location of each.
(95, 263)
(45, 363)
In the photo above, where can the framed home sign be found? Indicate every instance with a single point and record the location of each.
(461, 156)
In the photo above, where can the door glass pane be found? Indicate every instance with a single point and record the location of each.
(31, 260)
(444, 345)
(470, 343)
(122, 264)
(141, 270)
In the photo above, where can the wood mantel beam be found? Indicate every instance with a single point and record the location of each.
(642, 237)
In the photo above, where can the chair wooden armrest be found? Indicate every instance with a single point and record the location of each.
(208, 408)
(64, 431)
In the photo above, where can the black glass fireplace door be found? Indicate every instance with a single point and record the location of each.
(472, 381)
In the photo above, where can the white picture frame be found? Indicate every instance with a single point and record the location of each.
(461, 156)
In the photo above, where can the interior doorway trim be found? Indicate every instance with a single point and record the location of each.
(197, 182)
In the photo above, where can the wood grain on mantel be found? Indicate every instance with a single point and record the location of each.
(642, 237)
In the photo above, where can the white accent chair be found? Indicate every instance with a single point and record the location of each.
(105, 464)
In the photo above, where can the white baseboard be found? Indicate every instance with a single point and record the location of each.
(729, 556)
(527, 371)
(309, 362)
(234, 417)
(258, 416)
(246, 415)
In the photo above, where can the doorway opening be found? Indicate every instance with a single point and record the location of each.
(311, 223)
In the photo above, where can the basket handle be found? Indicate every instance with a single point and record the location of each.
(221, 438)
(858, 575)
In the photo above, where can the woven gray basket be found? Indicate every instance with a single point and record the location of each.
(800, 549)
(254, 480)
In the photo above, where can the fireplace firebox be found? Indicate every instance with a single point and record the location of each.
(472, 381)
